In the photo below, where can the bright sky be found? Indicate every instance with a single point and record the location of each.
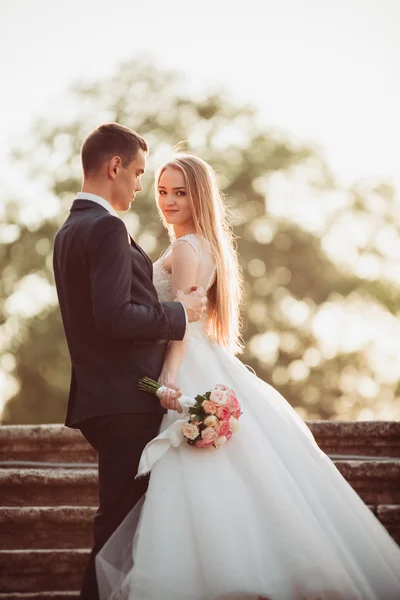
(325, 71)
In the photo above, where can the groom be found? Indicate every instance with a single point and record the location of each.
(116, 329)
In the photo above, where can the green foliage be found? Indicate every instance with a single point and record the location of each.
(284, 265)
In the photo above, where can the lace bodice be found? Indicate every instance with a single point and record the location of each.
(162, 281)
(162, 278)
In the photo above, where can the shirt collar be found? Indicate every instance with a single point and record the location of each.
(98, 200)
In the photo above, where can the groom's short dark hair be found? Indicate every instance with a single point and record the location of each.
(107, 141)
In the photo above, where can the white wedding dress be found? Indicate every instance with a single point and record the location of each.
(268, 515)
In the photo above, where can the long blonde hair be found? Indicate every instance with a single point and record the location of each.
(211, 222)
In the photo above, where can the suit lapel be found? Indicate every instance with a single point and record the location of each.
(143, 253)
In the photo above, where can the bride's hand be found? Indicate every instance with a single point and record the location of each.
(169, 397)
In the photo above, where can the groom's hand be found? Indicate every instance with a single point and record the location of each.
(195, 302)
(169, 398)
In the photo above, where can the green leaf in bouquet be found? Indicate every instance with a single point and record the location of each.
(194, 410)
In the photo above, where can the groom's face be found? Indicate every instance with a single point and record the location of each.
(128, 182)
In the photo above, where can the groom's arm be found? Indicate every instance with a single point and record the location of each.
(115, 314)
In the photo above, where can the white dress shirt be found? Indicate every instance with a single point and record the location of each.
(98, 200)
(112, 211)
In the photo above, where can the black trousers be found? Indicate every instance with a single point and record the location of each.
(119, 441)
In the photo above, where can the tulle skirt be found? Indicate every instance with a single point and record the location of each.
(268, 515)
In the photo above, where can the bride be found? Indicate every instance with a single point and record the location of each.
(267, 515)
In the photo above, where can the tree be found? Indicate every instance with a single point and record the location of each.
(289, 275)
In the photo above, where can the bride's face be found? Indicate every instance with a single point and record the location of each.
(172, 198)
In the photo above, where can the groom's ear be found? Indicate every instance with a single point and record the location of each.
(113, 166)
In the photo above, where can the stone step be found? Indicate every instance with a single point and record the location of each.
(358, 438)
(57, 443)
(40, 596)
(44, 443)
(46, 527)
(376, 481)
(41, 570)
(46, 570)
(48, 487)
(389, 516)
(64, 527)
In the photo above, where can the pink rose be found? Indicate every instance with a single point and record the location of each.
(218, 397)
(228, 435)
(222, 387)
(232, 401)
(224, 413)
(202, 444)
(209, 435)
(223, 428)
(209, 407)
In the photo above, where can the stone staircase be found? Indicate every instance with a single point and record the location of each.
(48, 496)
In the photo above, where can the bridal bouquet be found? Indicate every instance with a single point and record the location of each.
(213, 416)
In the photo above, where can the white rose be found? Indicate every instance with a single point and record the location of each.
(210, 421)
(218, 397)
(190, 431)
(233, 424)
(220, 441)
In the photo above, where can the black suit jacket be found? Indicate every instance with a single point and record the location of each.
(116, 329)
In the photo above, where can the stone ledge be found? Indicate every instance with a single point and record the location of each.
(47, 515)
(389, 516)
(48, 487)
(68, 527)
(62, 444)
(342, 429)
(43, 570)
(377, 482)
(46, 527)
(44, 442)
(40, 596)
(365, 438)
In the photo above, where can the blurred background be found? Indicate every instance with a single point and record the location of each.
(295, 104)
